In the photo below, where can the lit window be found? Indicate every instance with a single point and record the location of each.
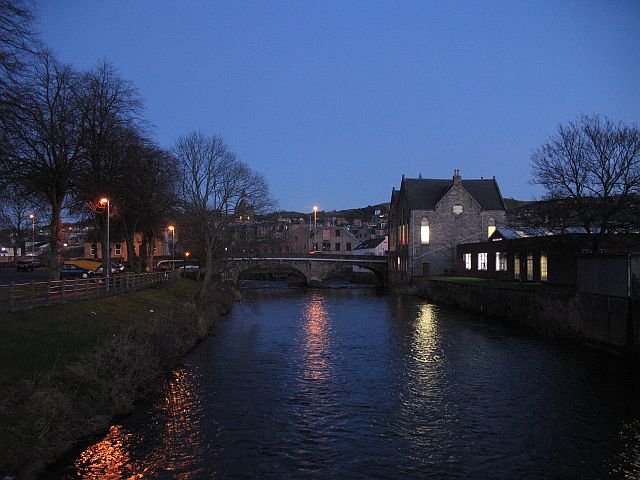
(529, 266)
(482, 261)
(467, 261)
(543, 266)
(94, 249)
(491, 227)
(424, 231)
(501, 261)
(457, 209)
(516, 266)
(118, 249)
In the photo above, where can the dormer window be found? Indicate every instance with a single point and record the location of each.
(457, 209)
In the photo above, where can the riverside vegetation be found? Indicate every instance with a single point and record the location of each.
(67, 370)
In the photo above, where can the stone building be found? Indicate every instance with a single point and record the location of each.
(428, 218)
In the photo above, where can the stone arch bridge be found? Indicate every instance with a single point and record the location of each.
(313, 267)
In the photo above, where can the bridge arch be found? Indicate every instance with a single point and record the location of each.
(379, 274)
(270, 266)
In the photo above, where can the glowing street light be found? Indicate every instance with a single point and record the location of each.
(315, 229)
(105, 201)
(33, 233)
(172, 229)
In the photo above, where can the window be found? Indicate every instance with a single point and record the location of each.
(424, 231)
(466, 258)
(529, 266)
(482, 261)
(457, 209)
(491, 226)
(118, 249)
(337, 246)
(348, 247)
(337, 232)
(543, 266)
(94, 249)
(501, 261)
(295, 238)
(326, 246)
(516, 266)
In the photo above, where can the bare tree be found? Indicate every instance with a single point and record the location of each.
(17, 40)
(214, 184)
(45, 132)
(15, 209)
(594, 163)
(112, 120)
(144, 197)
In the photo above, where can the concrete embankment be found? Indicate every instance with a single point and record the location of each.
(610, 323)
(94, 359)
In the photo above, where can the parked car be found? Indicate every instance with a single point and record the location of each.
(114, 268)
(27, 264)
(71, 270)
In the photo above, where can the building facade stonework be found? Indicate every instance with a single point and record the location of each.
(430, 217)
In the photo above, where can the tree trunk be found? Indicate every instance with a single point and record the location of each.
(55, 237)
(208, 270)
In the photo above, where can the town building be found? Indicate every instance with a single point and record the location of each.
(538, 254)
(428, 218)
(333, 239)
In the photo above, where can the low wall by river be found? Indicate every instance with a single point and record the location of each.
(597, 320)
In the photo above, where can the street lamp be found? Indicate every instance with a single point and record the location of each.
(33, 234)
(315, 229)
(172, 229)
(105, 201)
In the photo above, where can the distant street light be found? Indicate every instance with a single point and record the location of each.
(105, 201)
(172, 229)
(315, 229)
(33, 234)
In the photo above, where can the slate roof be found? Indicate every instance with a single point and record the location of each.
(371, 243)
(511, 233)
(424, 193)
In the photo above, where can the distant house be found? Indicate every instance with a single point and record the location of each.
(374, 246)
(331, 239)
(428, 218)
(119, 249)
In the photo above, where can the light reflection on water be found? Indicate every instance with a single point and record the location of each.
(316, 344)
(350, 384)
(178, 430)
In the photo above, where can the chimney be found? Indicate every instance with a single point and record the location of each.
(457, 179)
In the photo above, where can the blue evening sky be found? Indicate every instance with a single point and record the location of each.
(334, 101)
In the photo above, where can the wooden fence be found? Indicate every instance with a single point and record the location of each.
(21, 296)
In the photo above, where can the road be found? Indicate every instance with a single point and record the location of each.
(9, 275)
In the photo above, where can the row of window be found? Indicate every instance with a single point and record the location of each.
(502, 265)
(118, 249)
(425, 233)
(326, 247)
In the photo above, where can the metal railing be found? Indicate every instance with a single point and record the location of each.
(22, 296)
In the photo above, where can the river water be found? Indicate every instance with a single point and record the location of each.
(354, 384)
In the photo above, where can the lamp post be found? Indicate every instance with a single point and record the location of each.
(105, 201)
(172, 229)
(33, 234)
(315, 229)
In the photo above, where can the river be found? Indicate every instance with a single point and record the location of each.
(351, 383)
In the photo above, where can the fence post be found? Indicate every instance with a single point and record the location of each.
(75, 289)
(64, 287)
(49, 292)
(11, 296)
(31, 292)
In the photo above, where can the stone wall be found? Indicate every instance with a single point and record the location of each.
(596, 320)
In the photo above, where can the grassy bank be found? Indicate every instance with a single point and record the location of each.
(68, 369)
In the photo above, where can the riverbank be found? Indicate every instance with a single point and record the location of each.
(608, 323)
(67, 370)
